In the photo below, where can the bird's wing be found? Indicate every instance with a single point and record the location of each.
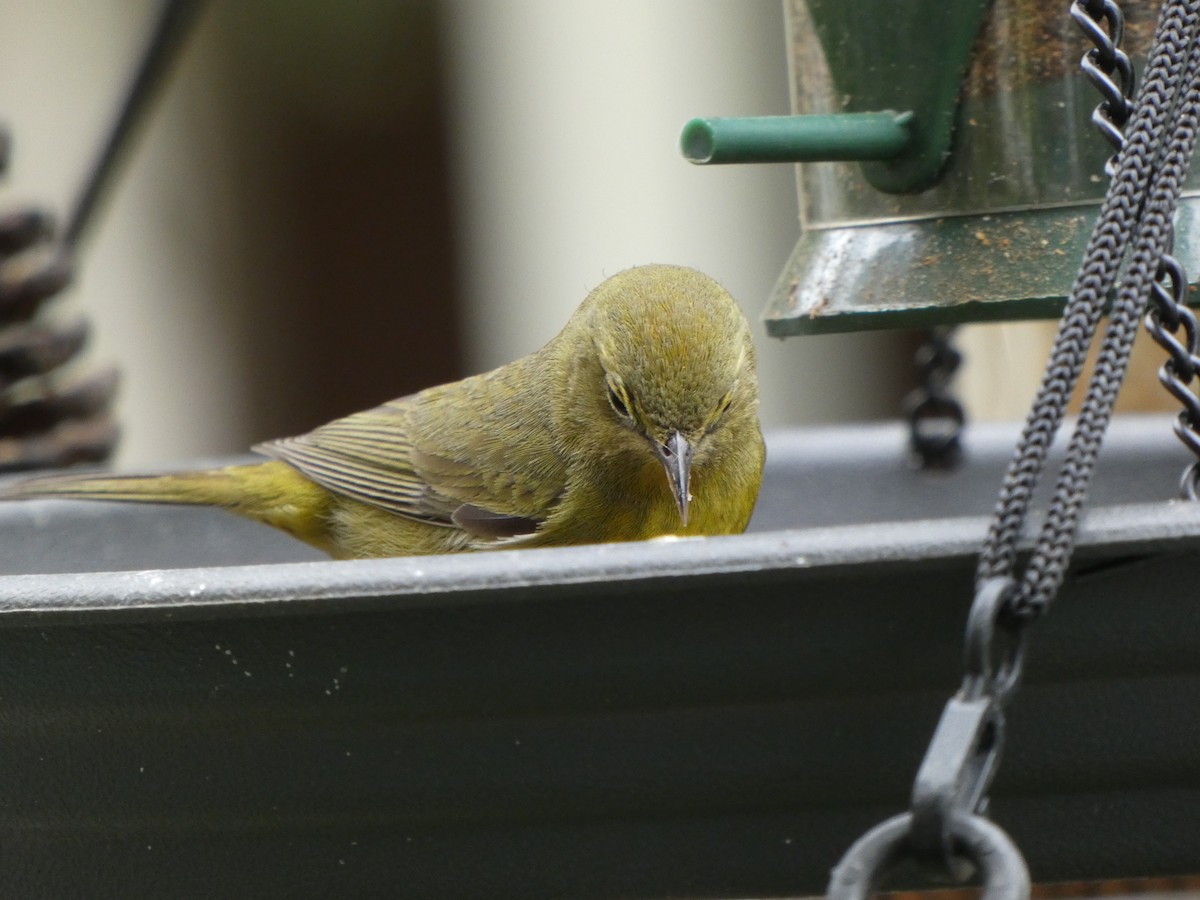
(419, 459)
(363, 456)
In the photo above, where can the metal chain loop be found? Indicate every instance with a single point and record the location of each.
(994, 651)
(874, 855)
(935, 417)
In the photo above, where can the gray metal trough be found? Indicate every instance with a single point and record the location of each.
(191, 706)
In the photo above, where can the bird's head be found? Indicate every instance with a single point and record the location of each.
(672, 369)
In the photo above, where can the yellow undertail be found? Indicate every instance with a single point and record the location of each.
(270, 492)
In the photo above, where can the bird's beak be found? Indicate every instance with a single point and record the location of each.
(676, 456)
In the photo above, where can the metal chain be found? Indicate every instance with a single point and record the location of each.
(1053, 550)
(1109, 70)
(1168, 315)
(946, 826)
(1140, 203)
(1173, 327)
(935, 417)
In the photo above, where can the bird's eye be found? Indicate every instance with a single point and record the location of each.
(620, 405)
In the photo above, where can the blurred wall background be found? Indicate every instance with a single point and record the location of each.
(335, 204)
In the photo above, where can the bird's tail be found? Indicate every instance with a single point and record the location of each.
(271, 492)
(217, 487)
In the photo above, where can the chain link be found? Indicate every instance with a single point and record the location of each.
(935, 417)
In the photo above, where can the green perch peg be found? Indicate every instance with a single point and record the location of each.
(860, 136)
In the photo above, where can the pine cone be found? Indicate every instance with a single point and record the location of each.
(46, 418)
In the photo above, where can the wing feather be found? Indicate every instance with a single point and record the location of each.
(447, 464)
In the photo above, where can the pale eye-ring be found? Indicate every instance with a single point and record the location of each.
(620, 405)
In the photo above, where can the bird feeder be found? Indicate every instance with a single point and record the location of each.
(199, 706)
(950, 171)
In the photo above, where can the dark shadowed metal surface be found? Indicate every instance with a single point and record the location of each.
(698, 718)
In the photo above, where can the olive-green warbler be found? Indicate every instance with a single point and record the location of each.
(639, 419)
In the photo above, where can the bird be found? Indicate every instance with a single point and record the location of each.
(638, 420)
